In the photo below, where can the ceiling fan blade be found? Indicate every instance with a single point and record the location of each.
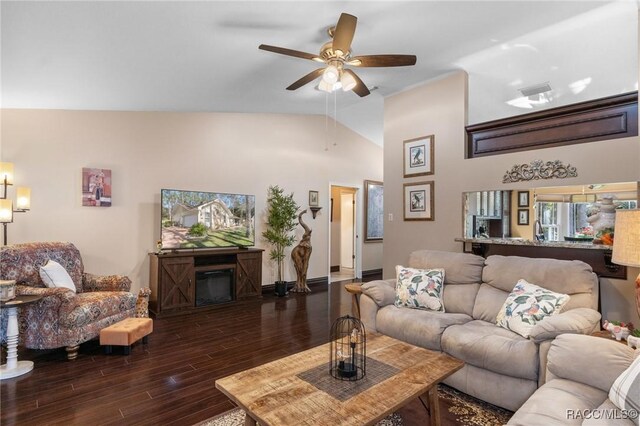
(290, 52)
(360, 89)
(383, 61)
(343, 34)
(306, 79)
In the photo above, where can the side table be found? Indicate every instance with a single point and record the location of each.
(13, 367)
(355, 289)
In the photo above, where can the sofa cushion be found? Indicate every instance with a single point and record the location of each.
(576, 321)
(558, 402)
(488, 303)
(527, 305)
(562, 276)
(506, 391)
(383, 292)
(459, 298)
(418, 327)
(607, 408)
(94, 306)
(419, 288)
(461, 269)
(488, 346)
(573, 357)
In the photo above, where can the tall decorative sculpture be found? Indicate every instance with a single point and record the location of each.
(300, 256)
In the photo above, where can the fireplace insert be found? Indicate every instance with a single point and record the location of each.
(215, 286)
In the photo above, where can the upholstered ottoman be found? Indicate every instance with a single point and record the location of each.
(125, 333)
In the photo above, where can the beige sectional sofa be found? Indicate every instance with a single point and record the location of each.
(501, 367)
(580, 372)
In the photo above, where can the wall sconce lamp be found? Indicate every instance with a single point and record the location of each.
(23, 198)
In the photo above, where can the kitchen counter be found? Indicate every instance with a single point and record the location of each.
(598, 256)
(522, 242)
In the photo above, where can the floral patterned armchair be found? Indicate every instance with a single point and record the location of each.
(63, 318)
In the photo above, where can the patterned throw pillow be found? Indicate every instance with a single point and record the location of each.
(419, 288)
(625, 392)
(527, 305)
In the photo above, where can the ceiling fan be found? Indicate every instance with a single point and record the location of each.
(336, 54)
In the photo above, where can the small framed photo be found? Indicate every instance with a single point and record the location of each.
(523, 216)
(418, 156)
(313, 198)
(418, 201)
(523, 198)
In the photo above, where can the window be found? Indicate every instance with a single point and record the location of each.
(551, 217)
(549, 220)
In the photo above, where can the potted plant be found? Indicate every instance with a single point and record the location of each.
(281, 222)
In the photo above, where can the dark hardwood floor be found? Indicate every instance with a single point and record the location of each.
(171, 379)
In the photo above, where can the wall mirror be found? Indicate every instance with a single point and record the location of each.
(559, 213)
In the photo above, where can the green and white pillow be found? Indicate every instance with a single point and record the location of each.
(420, 288)
(527, 305)
(625, 392)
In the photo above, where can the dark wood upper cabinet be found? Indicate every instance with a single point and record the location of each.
(602, 119)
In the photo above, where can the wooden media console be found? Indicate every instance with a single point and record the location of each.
(186, 281)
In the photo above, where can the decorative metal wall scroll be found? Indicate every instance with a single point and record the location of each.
(539, 169)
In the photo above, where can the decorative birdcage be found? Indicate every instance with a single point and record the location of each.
(348, 353)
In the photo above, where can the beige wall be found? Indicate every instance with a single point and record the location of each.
(147, 151)
(438, 107)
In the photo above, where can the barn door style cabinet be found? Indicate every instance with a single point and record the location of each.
(186, 281)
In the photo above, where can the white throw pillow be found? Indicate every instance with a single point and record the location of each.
(54, 275)
(625, 392)
(419, 288)
(527, 305)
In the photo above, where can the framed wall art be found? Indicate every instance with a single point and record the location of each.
(313, 198)
(418, 156)
(523, 198)
(418, 200)
(96, 187)
(373, 211)
(523, 216)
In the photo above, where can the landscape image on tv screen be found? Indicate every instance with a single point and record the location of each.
(194, 219)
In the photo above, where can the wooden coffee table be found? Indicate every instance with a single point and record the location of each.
(273, 394)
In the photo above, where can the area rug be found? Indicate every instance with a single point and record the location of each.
(456, 409)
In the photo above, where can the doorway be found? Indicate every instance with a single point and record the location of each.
(343, 233)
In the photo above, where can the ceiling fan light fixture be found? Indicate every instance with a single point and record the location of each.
(348, 82)
(331, 74)
(325, 87)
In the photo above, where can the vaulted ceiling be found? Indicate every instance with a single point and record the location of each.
(203, 56)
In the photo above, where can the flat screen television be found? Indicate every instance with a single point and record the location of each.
(196, 219)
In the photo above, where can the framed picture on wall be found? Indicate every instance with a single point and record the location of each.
(96, 187)
(523, 198)
(523, 216)
(418, 156)
(313, 198)
(373, 211)
(418, 201)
